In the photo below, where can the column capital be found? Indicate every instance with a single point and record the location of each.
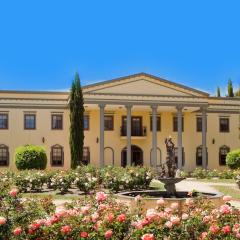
(203, 108)
(154, 107)
(128, 106)
(101, 105)
(179, 107)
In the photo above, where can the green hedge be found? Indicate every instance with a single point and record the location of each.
(233, 159)
(30, 157)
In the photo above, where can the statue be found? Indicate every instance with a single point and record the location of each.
(170, 162)
(172, 175)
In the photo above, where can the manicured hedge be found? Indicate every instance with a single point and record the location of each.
(30, 157)
(233, 159)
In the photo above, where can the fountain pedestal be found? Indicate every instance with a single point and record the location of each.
(169, 184)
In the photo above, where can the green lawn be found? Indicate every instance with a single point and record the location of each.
(213, 180)
(226, 190)
(52, 195)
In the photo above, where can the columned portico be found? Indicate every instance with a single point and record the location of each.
(129, 133)
(179, 124)
(101, 144)
(204, 137)
(154, 136)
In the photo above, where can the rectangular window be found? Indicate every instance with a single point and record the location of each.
(199, 124)
(57, 121)
(86, 156)
(3, 121)
(86, 122)
(57, 156)
(108, 123)
(175, 124)
(224, 124)
(158, 123)
(29, 121)
(4, 155)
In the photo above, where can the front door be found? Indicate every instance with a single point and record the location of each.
(136, 156)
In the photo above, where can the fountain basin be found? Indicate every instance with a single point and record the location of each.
(150, 197)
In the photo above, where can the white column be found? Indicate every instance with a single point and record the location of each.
(179, 122)
(101, 139)
(204, 137)
(154, 136)
(129, 133)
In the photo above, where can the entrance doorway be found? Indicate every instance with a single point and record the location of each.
(136, 156)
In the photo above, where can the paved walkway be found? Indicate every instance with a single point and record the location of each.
(185, 185)
(188, 185)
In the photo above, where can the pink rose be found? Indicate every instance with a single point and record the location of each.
(206, 219)
(85, 209)
(66, 229)
(168, 224)
(151, 214)
(108, 234)
(101, 196)
(2, 220)
(110, 217)
(60, 211)
(238, 235)
(121, 218)
(226, 229)
(95, 217)
(17, 231)
(214, 229)
(227, 198)
(148, 236)
(175, 220)
(13, 192)
(189, 201)
(225, 209)
(160, 202)
(204, 235)
(174, 206)
(185, 216)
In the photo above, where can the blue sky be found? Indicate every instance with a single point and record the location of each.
(43, 43)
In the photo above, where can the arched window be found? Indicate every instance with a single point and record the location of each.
(4, 155)
(223, 151)
(86, 156)
(57, 155)
(199, 156)
(176, 156)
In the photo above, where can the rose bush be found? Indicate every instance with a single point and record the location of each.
(101, 217)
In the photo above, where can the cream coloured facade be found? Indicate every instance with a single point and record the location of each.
(127, 120)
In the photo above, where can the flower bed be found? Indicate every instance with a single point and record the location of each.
(100, 216)
(85, 178)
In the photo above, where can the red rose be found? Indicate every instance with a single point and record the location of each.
(148, 236)
(108, 234)
(121, 218)
(84, 234)
(66, 229)
(226, 229)
(17, 231)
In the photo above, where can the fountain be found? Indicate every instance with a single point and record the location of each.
(169, 175)
(172, 176)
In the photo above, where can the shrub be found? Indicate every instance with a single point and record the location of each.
(233, 159)
(30, 157)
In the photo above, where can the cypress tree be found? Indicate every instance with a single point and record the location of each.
(230, 88)
(237, 93)
(76, 140)
(218, 92)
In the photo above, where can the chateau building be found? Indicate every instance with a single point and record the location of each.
(126, 122)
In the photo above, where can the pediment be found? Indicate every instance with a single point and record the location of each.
(142, 84)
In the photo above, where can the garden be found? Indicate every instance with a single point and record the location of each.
(95, 212)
